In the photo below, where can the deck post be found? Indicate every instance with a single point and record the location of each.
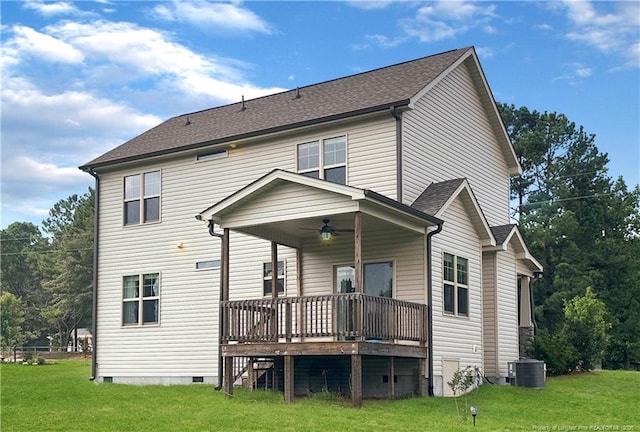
(251, 374)
(392, 381)
(228, 377)
(288, 378)
(356, 380)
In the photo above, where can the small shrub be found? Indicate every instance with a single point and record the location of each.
(557, 352)
(464, 380)
(40, 360)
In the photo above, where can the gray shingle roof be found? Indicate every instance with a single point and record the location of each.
(501, 232)
(356, 94)
(436, 195)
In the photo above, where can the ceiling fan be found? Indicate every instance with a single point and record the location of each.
(327, 231)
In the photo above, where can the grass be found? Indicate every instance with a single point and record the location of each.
(59, 397)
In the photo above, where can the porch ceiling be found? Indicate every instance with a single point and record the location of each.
(288, 208)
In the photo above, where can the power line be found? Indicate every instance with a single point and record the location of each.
(44, 252)
(552, 201)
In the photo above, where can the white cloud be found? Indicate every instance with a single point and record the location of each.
(27, 41)
(371, 4)
(228, 16)
(143, 53)
(49, 9)
(447, 19)
(613, 32)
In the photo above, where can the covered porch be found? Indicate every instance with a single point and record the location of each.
(322, 321)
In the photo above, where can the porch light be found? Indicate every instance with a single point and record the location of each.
(326, 233)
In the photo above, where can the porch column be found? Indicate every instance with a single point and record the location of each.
(357, 247)
(356, 380)
(288, 379)
(274, 269)
(357, 260)
(525, 303)
(299, 272)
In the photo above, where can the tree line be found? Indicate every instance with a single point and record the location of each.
(581, 224)
(584, 228)
(47, 275)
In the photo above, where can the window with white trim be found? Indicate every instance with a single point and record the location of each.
(455, 271)
(141, 306)
(266, 278)
(142, 198)
(325, 159)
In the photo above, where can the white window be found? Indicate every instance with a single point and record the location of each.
(456, 285)
(325, 159)
(141, 306)
(266, 278)
(142, 198)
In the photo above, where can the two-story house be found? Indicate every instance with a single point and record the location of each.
(349, 236)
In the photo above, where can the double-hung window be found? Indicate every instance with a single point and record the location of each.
(266, 278)
(325, 159)
(142, 198)
(141, 299)
(456, 285)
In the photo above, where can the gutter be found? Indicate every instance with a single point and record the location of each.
(396, 115)
(243, 136)
(430, 307)
(94, 307)
(213, 233)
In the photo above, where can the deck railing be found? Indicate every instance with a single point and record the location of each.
(351, 316)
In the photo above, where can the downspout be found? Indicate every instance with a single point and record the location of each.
(396, 115)
(94, 307)
(430, 307)
(213, 233)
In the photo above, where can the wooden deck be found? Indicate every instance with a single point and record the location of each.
(335, 317)
(353, 324)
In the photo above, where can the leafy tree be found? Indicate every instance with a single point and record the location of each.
(22, 247)
(12, 319)
(586, 328)
(583, 226)
(69, 265)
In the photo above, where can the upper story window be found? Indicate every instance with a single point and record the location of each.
(142, 198)
(456, 285)
(325, 159)
(141, 306)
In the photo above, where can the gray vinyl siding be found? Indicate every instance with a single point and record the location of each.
(507, 303)
(489, 318)
(454, 337)
(448, 135)
(184, 343)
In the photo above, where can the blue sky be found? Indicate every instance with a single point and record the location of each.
(79, 78)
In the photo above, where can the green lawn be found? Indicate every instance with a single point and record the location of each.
(59, 397)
